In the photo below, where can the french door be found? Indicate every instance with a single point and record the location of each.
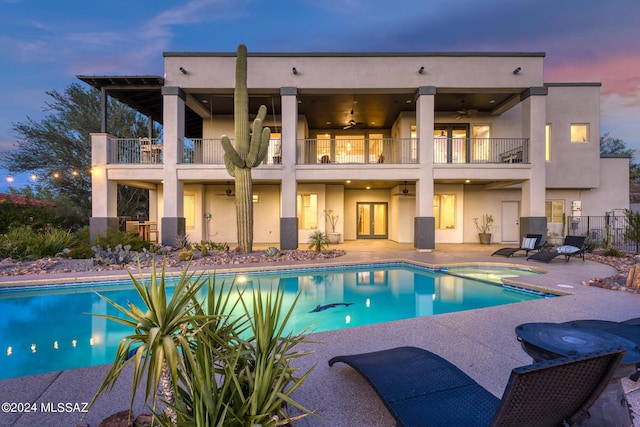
(450, 143)
(372, 220)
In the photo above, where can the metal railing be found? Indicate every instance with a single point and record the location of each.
(204, 151)
(605, 231)
(480, 150)
(134, 150)
(358, 150)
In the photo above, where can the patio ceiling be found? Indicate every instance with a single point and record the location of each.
(322, 111)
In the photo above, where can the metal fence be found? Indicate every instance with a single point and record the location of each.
(480, 150)
(602, 230)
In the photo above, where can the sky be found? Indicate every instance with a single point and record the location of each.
(44, 44)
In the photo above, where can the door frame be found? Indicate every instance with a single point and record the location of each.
(371, 225)
(507, 221)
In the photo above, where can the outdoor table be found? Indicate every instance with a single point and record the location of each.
(547, 341)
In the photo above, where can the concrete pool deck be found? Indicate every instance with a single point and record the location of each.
(480, 342)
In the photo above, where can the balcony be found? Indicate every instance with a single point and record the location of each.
(357, 151)
(480, 150)
(203, 151)
(333, 151)
(134, 150)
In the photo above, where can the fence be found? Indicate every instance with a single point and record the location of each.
(602, 229)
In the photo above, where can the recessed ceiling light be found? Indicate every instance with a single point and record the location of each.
(328, 123)
(368, 188)
(408, 101)
(204, 101)
(492, 101)
(348, 181)
(467, 181)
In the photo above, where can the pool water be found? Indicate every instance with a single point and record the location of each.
(50, 329)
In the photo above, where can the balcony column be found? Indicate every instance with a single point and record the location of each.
(173, 221)
(424, 222)
(104, 200)
(289, 186)
(533, 218)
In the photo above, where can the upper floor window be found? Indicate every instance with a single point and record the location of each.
(579, 132)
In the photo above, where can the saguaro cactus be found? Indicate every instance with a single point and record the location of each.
(248, 151)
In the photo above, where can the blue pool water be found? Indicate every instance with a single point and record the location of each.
(50, 329)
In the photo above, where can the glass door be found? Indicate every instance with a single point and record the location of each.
(372, 220)
(450, 143)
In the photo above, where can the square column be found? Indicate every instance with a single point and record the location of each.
(289, 186)
(534, 113)
(173, 221)
(424, 222)
(104, 193)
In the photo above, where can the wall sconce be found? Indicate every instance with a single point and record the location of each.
(517, 70)
(421, 70)
(183, 71)
(294, 71)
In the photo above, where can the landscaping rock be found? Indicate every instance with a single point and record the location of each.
(119, 419)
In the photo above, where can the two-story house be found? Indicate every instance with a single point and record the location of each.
(409, 147)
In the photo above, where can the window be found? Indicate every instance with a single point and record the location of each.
(547, 143)
(307, 211)
(190, 211)
(579, 132)
(444, 211)
(554, 210)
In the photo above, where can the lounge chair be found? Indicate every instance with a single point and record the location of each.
(531, 242)
(572, 246)
(421, 388)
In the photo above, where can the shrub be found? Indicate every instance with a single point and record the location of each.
(185, 255)
(51, 243)
(182, 242)
(613, 252)
(272, 252)
(114, 238)
(24, 243)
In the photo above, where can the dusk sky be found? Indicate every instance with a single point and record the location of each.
(44, 44)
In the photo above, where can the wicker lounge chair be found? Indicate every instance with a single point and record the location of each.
(527, 246)
(572, 246)
(421, 388)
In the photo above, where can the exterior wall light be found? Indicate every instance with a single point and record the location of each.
(183, 71)
(294, 71)
(421, 70)
(517, 70)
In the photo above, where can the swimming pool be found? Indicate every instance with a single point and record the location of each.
(48, 328)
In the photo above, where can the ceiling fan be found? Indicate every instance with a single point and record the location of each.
(228, 192)
(464, 113)
(404, 191)
(352, 121)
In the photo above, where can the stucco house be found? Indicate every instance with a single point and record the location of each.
(409, 147)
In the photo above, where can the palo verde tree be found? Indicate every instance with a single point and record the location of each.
(248, 151)
(58, 149)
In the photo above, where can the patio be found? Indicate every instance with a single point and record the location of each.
(480, 342)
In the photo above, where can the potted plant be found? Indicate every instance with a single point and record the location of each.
(332, 219)
(484, 225)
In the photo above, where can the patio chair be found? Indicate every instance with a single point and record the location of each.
(572, 246)
(421, 388)
(531, 242)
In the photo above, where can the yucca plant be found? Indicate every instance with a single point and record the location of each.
(318, 241)
(161, 333)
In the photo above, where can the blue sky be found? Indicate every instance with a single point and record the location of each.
(44, 44)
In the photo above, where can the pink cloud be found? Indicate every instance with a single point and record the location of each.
(620, 75)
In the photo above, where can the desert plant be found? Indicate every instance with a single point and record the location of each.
(119, 255)
(248, 151)
(613, 252)
(25, 243)
(114, 238)
(632, 228)
(52, 242)
(182, 242)
(224, 360)
(484, 224)
(331, 218)
(272, 252)
(185, 255)
(318, 241)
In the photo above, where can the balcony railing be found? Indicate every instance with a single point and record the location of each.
(210, 152)
(480, 150)
(333, 150)
(358, 150)
(134, 150)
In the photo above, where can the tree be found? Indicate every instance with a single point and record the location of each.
(58, 148)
